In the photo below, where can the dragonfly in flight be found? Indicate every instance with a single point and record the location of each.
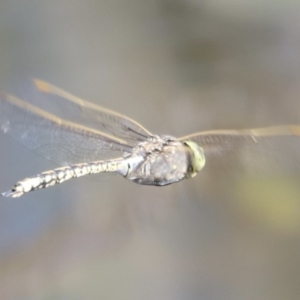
(84, 138)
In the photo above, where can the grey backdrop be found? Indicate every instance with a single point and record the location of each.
(177, 67)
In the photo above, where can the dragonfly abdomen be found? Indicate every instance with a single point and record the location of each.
(59, 175)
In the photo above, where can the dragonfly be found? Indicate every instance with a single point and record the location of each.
(84, 139)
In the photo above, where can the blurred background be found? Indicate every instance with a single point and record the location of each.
(178, 67)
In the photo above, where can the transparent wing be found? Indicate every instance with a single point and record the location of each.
(264, 150)
(69, 107)
(61, 141)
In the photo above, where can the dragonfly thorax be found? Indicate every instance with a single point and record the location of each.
(162, 160)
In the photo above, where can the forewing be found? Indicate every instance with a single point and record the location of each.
(254, 151)
(58, 140)
(69, 107)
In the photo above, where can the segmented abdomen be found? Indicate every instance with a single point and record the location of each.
(56, 176)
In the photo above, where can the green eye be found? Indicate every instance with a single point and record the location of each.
(197, 158)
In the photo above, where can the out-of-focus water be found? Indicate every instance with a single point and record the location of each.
(177, 67)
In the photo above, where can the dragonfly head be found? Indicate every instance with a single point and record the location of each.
(197, 159)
